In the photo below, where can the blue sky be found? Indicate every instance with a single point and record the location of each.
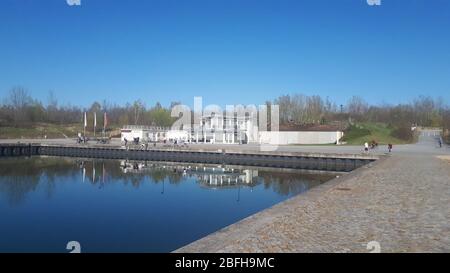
(228, 51)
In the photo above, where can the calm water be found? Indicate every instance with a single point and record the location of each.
(119, 206)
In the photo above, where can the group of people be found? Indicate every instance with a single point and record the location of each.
(84, 139)
(373, 145)
(81, 139)
(142, 145)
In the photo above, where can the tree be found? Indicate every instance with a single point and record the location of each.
(138, 107)
(52, 108)
(95, 107)
(159, 116)
(18, 99)
(300, 109)
(357, 107)
(174, 103)
(446, 124)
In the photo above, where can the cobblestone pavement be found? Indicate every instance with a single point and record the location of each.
(401, 201)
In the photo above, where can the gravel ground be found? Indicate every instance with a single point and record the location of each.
(401, 201)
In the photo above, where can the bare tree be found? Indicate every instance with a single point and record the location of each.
(357, 106)
(138, 107)
(52, 107)
(18, 99)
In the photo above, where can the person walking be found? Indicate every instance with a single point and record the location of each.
(440, 142)
(366, 147)
(390, 147)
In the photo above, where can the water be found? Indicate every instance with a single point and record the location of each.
(119, 206)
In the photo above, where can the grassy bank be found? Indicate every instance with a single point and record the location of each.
(360, 133)
(46, 130)
(41, 130)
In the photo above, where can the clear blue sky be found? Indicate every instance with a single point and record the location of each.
(228, 51)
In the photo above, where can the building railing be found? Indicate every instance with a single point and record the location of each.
(145, 127)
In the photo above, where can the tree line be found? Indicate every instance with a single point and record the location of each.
(301, 109)
(422, 111)
(446, 126)
(19, 109)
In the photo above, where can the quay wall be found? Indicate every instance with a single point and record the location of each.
(322, 162)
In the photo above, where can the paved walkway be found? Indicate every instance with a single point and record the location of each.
(428, 145)
(401, 201)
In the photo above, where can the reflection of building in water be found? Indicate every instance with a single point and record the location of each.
(133, 166)
(207, 175)
(227, 179)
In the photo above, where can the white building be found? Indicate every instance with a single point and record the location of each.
(144, 133)
(178, 135)
(243, 130)
(221, 129)
(237, 130)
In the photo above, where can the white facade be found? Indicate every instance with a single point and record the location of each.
(245, 130)
(229, 131)
(130, 134)
(177, 135)
(220, 129)
(144, 133)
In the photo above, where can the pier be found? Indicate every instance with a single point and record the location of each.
(306, 161)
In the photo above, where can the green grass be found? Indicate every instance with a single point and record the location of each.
(39, 131)
(360, 133)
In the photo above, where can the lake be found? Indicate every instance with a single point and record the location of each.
(130, 206)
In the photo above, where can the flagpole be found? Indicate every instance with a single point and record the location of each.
(84, 173)
(95, 122)
(105, 122)
(84, 130)
(93, 171)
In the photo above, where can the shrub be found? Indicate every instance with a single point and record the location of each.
(354, 132)
(403, 133)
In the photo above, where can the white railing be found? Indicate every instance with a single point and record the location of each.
(145, 127)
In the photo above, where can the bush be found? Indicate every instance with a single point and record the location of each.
(354, 132)
(403, 133)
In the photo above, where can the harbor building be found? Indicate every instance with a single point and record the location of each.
(221, 129)
(144, 133)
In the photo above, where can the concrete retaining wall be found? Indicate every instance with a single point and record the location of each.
(312, 137)
(323, 162)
